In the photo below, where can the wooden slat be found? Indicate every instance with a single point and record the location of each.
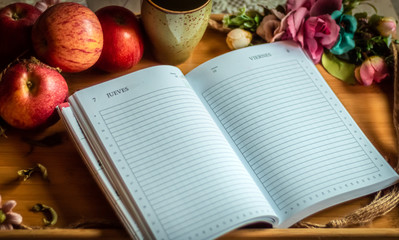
(251, 234)
(73, 193)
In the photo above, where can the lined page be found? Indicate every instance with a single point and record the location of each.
(176, 163)
(288, 126)
(98, 173)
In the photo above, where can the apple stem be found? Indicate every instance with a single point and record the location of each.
(3, 132)
(29, 84)
(15, 16)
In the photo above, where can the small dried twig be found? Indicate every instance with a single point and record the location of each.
(27, 173)
(3, 132)
(51, 216)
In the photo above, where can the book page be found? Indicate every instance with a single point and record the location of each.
(168, 155)
(290, 129)
(96, 169)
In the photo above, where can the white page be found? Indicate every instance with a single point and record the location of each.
(97, 171)
(285, 122)
(170, 155)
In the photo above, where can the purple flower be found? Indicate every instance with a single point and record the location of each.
(313, 33)
(8, 218)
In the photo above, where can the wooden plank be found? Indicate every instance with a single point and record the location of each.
(73, 193)
(348, 233)
(59, 234)
(252, 234)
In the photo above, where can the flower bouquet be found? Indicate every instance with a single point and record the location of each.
(353, 47)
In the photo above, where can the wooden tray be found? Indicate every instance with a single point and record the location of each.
(72, 192)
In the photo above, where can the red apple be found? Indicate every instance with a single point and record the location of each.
(29, 92)
(69, 36)
(16, 21)
(123, 42)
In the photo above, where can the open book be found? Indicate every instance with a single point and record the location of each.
(254, 135)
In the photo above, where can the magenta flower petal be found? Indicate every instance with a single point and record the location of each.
(373, 69)
(380, 68)
(8, 206)
(299, 17)
(322, 7)
(319, 33)
(329, 37)
(294, 23)
(293, 5)
(312, 46)
(366, 73)
(316, 53)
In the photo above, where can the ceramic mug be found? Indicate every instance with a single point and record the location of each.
(175, 27)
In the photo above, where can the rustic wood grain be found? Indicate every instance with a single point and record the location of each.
(72, 192)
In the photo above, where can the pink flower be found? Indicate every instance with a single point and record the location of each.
(309, 23)
(293, 5)
(295, 20)
(272, 26)
(373, 69)
(314, 34)
(387, 26)
(319, 33)
(8, 218)
(315, 7)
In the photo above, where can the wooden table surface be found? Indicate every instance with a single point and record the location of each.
(72, 192)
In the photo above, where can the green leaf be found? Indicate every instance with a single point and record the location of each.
(257, 19)
(374, 19)
(2, 216)
(342, 70)
(387, 40)
(246, 20)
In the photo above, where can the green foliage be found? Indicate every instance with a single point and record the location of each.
(3, 216)
(246, 20)
(349, 5)
(340, 69)
(368, 41)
